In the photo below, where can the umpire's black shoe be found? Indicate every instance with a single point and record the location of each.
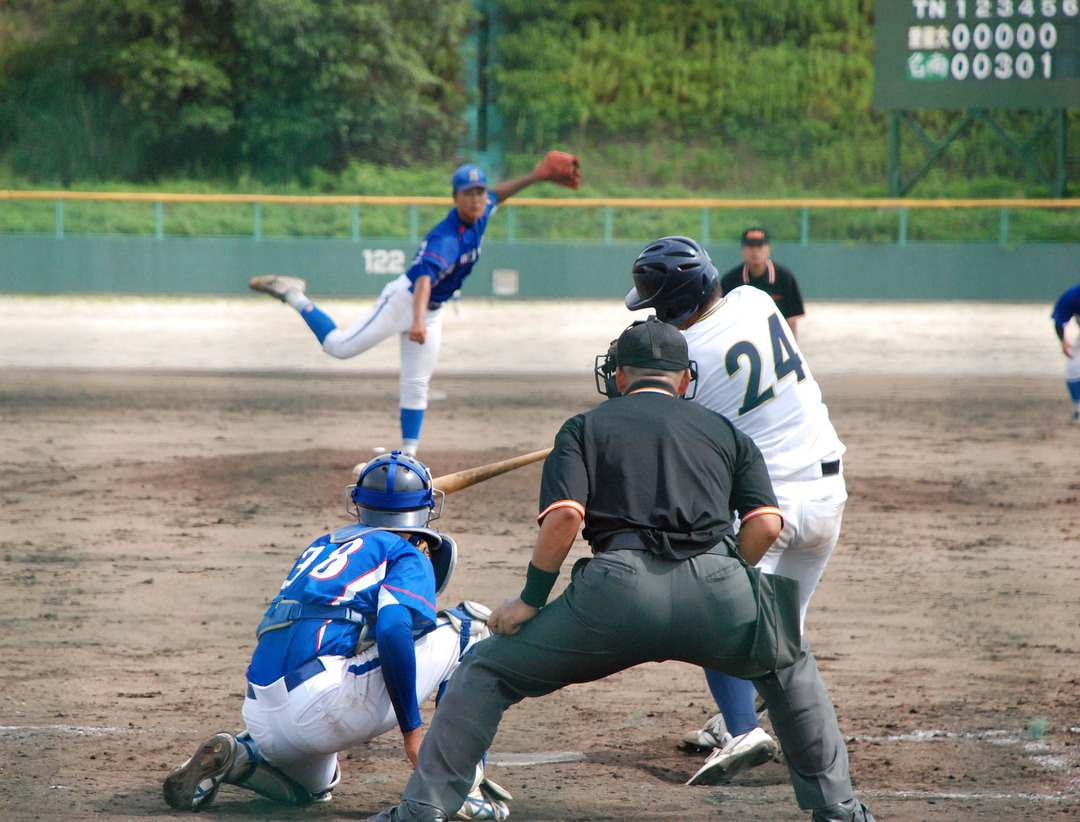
(850, 811)
(409, 811)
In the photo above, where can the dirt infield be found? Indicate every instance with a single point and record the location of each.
(150, 508)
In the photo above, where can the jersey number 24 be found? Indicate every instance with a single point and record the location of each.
(785, 362)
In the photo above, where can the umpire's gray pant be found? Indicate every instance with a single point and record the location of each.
(624, 608)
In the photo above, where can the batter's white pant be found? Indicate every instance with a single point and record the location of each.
(300, 732)
(813, 510)
(393, 314)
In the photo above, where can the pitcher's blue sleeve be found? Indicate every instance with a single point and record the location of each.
(394, 638)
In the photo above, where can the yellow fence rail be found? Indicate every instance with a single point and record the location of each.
(552, 202)
(900, 206)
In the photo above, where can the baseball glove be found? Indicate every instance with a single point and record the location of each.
(559, 167)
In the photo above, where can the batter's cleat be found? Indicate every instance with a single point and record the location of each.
(713, 735)
(276, 286)
(850, 811)
(749, 750)
(409, 811)
(193, 785)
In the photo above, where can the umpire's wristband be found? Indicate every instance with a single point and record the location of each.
(538, 585)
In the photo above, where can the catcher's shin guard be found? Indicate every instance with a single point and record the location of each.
(267, 781)
(469, 619)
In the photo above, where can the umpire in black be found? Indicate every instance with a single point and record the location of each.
(654, 479)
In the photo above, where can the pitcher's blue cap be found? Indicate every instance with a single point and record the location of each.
(469, 176)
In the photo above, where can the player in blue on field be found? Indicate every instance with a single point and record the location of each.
(1066, 311)
(410, 306)
(349, 648)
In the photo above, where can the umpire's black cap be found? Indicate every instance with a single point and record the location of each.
(755, 236)
(652, 344)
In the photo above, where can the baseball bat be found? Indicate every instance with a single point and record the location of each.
(449, 483)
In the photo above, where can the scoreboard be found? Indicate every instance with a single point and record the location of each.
(973, 54)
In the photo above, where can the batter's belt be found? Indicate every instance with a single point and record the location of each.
(817, 470)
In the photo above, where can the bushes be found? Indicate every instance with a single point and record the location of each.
(676, 97)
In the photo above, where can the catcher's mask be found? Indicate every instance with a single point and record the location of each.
(605, 372)
(395, 491)
(672, 275)
(650, 346)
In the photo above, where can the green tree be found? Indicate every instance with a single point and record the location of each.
(222, 86)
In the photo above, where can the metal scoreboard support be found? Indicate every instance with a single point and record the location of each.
(977, 56)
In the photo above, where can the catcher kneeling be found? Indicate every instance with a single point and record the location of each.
(349, 647)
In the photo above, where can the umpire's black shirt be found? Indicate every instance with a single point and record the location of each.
(778, 282)
(650, 463)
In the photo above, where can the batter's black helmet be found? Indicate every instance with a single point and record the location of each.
(673, 276)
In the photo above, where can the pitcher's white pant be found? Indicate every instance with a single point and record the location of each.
(393, 314)
(813, 510)
(300, 732)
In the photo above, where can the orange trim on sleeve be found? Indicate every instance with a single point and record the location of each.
(757, 512)
(564, 503)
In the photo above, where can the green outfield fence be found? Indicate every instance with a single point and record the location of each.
(868, 248)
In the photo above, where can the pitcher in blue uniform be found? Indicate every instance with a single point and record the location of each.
(411, 305)
(349, 648)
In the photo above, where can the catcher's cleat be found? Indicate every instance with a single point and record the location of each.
(713, 735)
(193, 785)
(276, 286)
(486, 801)
(409, 811)
(850, 811)
(478, 806)
(749, 750)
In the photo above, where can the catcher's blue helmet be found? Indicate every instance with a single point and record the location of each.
(672, 275)
(395, 491)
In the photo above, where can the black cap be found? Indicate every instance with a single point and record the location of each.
(652, 344)
(755, 236)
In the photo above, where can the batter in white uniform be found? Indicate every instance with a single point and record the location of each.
(751, 370)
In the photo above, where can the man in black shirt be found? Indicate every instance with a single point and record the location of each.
(654, 479)
(759, 270)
